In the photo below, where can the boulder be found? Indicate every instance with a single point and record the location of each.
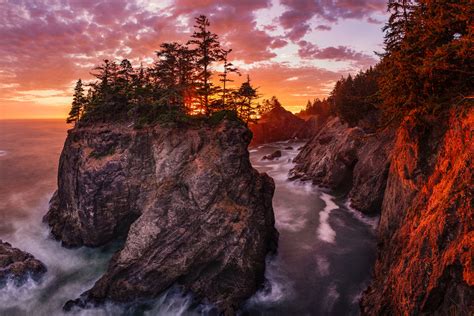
(18, 266)
(275, 154)
(349, 160)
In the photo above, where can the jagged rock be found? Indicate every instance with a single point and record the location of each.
(276, 125)
(18, 266)
(275, 154)
(192, 209)
(288, 148)
(349, 160)
(426, 231)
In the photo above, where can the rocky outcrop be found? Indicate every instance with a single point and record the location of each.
(273, 155)
(276, 125)
(348, 160)
(426, 232)
(191, 208)
(18, 266)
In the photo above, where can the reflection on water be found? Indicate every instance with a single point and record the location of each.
(324, 258)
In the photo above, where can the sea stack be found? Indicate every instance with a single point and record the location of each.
(191, 208)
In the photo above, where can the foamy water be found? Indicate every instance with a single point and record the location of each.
(323, 262)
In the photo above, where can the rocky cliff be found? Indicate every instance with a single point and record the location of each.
(425, 261)
(348, 160)
(420, 178)
(276, 125)
(191, 208)
(17, 266)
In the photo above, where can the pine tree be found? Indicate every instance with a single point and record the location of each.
(78, 102)
(224, 76)
(247, 109)
(207, 51)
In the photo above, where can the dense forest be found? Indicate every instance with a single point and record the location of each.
(427, 66)
(178, 87)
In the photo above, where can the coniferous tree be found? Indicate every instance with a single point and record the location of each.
(429, 55)
(224, 76)
(207, 51)
(78, 102)
(247, 108)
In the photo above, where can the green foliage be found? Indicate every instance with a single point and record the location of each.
(321, 108)
(78, 104)
(429, 55)
(218, 117)
(354, 99)
(177, 88)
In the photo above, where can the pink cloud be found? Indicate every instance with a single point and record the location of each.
(340, 53)
(298, 14)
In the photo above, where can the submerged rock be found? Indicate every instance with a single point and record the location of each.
(18, 266)
(426, 231)
(347, 159)
(275, 154)
(191, 208)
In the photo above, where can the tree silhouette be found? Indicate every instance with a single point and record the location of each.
(78, 102)
(207, 51)
(247, 109)
(224, 76)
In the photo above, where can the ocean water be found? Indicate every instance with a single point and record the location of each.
(325, 255)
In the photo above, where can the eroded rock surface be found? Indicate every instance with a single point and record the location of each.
(426, 232)
(192, 209)
(17, 265)
(349, 160)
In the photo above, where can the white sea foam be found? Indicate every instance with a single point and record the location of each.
(277, 288)
(325, 231)
(323, 265)
(373, 222)
(331, 298)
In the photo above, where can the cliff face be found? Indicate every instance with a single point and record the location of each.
(425, 262)
(18, 266)
(348, 160)
(276, 125)
(192, 209)
(421, 179)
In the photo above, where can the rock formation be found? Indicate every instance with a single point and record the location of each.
(421, 179)
(273, 155)
(18, 266)
(191, 208)
(348, 160)
(276, 125)
(426, 233)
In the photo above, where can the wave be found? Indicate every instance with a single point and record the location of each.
(325, 231)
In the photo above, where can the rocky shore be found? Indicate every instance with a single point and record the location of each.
(419, 178)
(348, 160)
(190, 207)
(18, 266)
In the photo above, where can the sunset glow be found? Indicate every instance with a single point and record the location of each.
(295, 50)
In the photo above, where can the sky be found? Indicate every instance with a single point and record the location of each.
(293, 49)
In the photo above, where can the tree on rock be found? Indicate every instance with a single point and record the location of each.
(207, 51)
(78, 102)
(247, 109)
